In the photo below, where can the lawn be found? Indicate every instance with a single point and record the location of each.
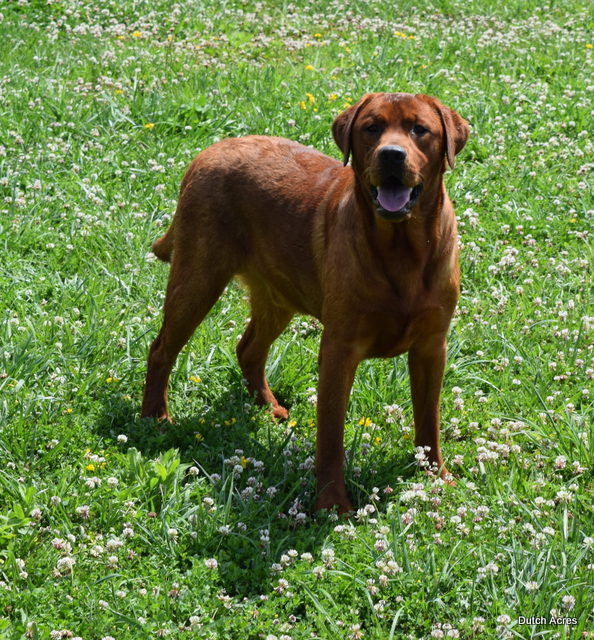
(114, 528)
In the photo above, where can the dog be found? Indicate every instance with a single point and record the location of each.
(370, 249)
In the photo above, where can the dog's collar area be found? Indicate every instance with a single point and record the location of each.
(401, 214)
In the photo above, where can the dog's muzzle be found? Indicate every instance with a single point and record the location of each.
(393, 200)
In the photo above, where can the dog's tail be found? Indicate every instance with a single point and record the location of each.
(163, 246)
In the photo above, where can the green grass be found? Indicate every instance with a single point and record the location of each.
(102, 106)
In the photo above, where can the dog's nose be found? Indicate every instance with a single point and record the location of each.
(392, 154)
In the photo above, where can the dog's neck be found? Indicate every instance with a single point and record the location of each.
(412, 246)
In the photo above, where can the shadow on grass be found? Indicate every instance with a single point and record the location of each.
(267, 511)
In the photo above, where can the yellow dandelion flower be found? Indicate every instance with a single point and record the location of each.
(69, 410)
(365, 422)
(137, 34)
(377, 440)
(317, 35)
(302, 105)
(292, 423)
(309, 67)
(243, 462)
(118, 92)
(310, 97)
(149, 125)
(589, 46)
(90, 467)
(199, 437)
(332, 97)
(195, 379)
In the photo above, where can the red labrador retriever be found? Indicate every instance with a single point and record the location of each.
(369, 249)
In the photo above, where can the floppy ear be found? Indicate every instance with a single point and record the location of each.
(343, 125)
(455, 131)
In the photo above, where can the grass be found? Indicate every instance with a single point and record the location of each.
(111, 528)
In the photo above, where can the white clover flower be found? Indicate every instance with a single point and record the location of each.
(328, 556)
(113, 544)
(319, 572)
(65, 565)
(211, 563)
(83, 512)
(282, 586)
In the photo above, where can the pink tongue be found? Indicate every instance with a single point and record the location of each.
(393, 198)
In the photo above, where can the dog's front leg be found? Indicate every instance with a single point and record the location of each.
(426, 364)
(337, 372)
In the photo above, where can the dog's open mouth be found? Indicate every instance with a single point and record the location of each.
(393, 200)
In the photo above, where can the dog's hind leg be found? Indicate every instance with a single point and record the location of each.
(193, 288)
(267, 322)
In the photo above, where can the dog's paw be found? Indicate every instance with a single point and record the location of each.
(279, 413)
(334, 500)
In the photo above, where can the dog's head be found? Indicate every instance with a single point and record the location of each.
(400, 144)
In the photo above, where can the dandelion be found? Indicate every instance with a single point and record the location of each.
(309, 67)
(122, 439)
(149, 125)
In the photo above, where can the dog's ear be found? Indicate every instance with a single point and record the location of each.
(342, 126)
(455, 131)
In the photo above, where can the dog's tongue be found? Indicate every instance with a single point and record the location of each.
(393, 198)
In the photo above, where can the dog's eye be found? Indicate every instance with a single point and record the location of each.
(373, 128)
(419, 130)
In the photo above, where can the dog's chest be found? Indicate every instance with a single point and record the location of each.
(391, 326)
